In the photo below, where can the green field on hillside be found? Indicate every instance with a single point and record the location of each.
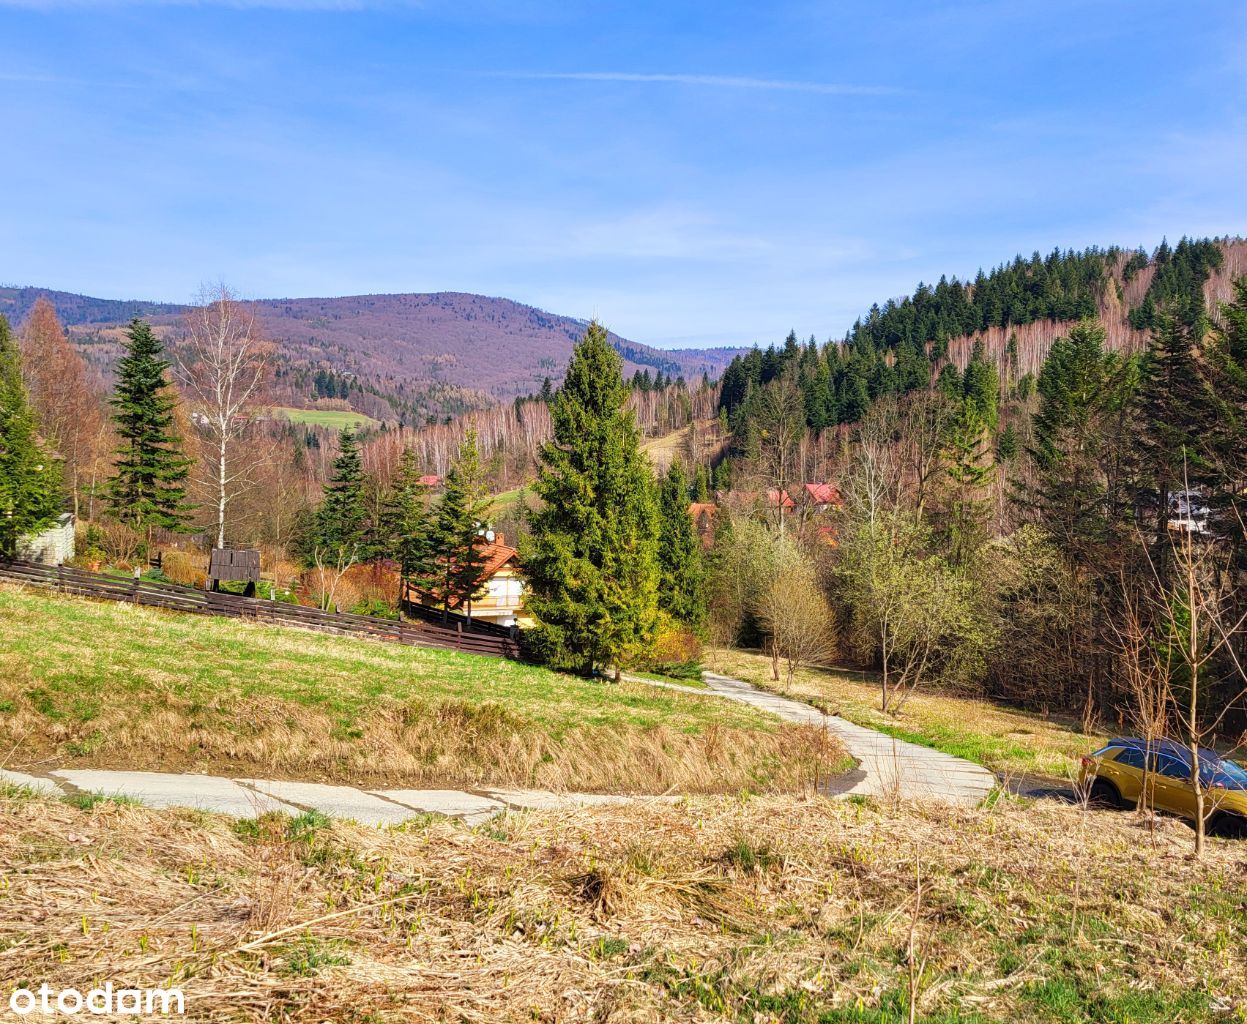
(335, 419)
(105, 684)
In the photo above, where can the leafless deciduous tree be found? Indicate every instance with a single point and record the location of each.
(1195, 628)
(798, 620)
(222, 363)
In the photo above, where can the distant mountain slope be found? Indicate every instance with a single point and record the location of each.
(420, 354)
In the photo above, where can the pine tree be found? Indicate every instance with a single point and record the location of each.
(970, 471)
(457, 528)
(30, 481)
(1084, 393)
(591, 562)
(701, 483)
(981, 385)
(336, 535)
(340, 524)
(148, 490)
(1174, 404)
(1226, 441)
(680, 585)
(405, 527)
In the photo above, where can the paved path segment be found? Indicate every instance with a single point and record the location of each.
(249, 798)
(886, 766)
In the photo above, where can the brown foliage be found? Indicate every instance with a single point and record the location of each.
(66, 401)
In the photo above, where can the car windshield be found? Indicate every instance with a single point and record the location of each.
(1225, 773)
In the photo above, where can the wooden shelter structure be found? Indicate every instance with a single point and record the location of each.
(234, 565)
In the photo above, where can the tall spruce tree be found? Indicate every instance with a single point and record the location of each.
(336, 535)
(1225, 444)
(405, 527)
(457, 527)
(148, 490)
(30, 480)
(1175, 404)
(591, 562)
(681, 581)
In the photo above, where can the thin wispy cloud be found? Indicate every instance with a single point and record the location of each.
(713, 81)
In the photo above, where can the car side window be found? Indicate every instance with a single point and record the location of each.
(1131, 758)
(1171, 767)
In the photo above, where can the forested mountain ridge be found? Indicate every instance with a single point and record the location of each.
(394, 357)
(1011, 315)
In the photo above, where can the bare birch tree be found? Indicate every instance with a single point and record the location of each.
(222, 363)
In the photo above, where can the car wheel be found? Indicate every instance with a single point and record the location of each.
(1231, 826)
(1103, 794)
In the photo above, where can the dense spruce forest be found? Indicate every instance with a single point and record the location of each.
(900, 347)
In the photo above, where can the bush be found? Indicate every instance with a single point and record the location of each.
(375, 606)
(185, 568)
(676, 652)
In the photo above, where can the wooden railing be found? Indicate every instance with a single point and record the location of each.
(186, 599)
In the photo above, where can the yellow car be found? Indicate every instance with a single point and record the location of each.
(1114, 776)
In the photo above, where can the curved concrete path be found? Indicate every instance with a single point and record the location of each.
(887, 767)
(249, 798)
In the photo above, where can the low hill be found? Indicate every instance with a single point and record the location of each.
(397, 356)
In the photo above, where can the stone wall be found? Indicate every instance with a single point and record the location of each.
(53, 546)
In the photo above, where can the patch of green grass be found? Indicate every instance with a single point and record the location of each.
(310, 955)
(1073, 1000)
(85, 801)
(335, 419)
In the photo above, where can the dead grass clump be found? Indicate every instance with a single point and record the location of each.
(188, 568)
(771, 909)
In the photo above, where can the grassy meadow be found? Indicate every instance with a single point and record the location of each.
(764, 910)
(1007, 740)
(110, 685)
(335, 419)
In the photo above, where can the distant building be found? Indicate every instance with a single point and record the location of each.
(502, 598)
(54, 546)
(703, 514)
(1188, 512)
(430, 480)
(821, 498)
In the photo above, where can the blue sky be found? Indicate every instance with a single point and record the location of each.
(691, 173)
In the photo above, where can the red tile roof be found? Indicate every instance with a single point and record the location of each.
(823, 494)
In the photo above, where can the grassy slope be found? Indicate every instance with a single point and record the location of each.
(1004, 739)
(106, 684)
(335, 418)
(774, 910)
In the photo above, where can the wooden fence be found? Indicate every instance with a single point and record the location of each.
(186, 599)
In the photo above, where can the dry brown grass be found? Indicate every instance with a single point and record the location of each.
(93, 684)
(771, 909)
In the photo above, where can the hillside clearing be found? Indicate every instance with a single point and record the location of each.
(770, 909)
(1006, 740)
(334, 419)
(110, 685)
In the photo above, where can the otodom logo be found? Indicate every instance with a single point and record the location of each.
(70, 1002)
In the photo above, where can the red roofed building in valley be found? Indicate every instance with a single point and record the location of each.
(822, 497)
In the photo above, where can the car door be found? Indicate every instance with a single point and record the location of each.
(1126, 773)
(1173, 791)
